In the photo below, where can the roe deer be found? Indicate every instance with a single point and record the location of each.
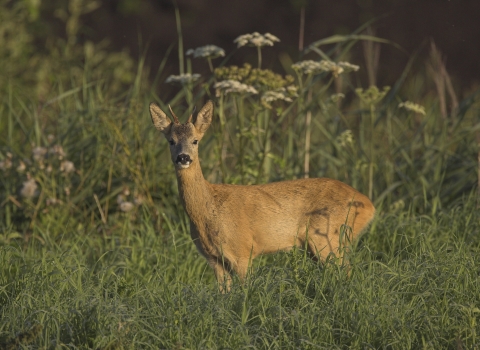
(232, 224)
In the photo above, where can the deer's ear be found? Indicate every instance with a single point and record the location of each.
(159, 118)
(204, 117)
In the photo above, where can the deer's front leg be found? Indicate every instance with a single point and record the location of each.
(222, 273)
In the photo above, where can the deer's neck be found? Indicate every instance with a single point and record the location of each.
(196, 194)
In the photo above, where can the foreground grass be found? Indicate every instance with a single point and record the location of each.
(414, 284)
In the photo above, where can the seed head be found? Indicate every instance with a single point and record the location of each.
(413, 107)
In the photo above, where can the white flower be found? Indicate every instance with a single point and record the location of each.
(126, 206)
(256, 39)
(182, 79)
(21, 167)
(138, 199)
(413, 107)
(233, 86)
(39, 154)
(210, 51)
(120, 199)
(274, 95)
(314, 67)
(6, 164)
(58, 151)
(67, 167)
(29, 189)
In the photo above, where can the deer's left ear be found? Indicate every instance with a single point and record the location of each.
(159, 118)
(204, 117)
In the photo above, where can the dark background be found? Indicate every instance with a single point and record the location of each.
(139, 24)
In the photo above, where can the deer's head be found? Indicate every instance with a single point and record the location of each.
(183, 138)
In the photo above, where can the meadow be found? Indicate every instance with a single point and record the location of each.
(95, 251)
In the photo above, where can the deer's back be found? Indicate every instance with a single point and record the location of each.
(269, 215)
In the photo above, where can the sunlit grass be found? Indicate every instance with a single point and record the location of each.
(95, 250)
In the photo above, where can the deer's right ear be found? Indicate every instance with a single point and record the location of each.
(159, 118)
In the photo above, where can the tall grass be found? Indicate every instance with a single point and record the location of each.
(94, 245)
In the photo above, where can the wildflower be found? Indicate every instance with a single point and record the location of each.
(29, 189)
(345, 138)
(21, 167)
(126, 206)
(256, 39)
(274, 95)
(314, 67)
(208, 51)
(66, 189)
(7, 163)
(138, 199)
(50, 138)
(39, 154)
(413, 107)
(67, 167)
(233, 86)
(58, 151)
(120, 199)
(182, 79)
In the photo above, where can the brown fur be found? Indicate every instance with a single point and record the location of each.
(233, 224)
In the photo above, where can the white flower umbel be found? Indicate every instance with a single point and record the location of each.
(207, 51)
(314, 67)
(256, 39)
(233, 86)
(413, 107)
(182, 79)
(275, 95)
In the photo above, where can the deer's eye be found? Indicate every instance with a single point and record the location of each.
(171, 142)
(195, 142)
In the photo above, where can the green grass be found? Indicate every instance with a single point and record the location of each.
(76, 271)
(414, 283)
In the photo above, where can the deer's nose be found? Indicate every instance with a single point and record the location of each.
(183, 159)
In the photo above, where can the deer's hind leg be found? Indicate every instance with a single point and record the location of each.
(222, 271)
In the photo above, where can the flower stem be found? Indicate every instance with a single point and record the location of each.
(308, 132)
(259, 51)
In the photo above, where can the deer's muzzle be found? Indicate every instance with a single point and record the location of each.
(183, 159)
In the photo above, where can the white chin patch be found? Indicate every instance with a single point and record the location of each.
(183, 166)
